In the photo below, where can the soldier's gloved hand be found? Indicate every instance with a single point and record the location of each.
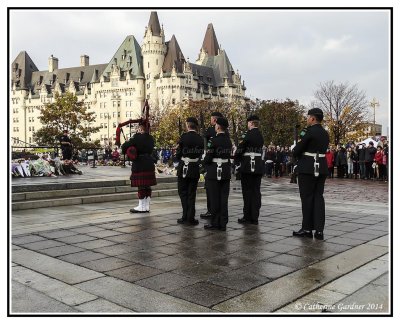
(203, 156)
(176, 164)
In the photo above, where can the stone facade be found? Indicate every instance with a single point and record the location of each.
(116, 91)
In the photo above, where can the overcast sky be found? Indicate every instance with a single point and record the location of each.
(280, 54)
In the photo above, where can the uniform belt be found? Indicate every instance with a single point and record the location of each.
(252, 154)
(216, 160)
(219, 166)
(187, 160)
(313, 154)
(252, 160)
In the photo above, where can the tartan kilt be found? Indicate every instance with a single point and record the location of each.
(144, 178)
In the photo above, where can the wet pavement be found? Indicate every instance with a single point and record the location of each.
(99, 258)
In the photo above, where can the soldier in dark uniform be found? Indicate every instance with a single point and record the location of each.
(248, 155)
(190, 149)
(66, 145)
(312, 172)
(218, 166)
(209, 134)
(139, 149)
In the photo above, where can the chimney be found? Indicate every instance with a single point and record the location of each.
(84, 60)
(53, 63)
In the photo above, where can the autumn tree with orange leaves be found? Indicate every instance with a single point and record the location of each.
(169, 123)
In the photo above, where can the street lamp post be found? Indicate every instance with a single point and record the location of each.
(374, 103)
(108, 126)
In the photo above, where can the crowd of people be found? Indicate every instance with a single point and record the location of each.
(359, 161)
(353, 161)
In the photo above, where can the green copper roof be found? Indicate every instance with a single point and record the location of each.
(128, 58)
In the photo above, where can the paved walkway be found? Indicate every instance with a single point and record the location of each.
(99, 258)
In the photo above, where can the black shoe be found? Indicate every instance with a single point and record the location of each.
(134, 211)
(180, 221)
(243, 221)
(254, 222)
(206, 215)
(303, 233)
(319, 235)
(193, 222)
(211, 227)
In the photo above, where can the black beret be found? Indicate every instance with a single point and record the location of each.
(252, 117)
(192, 120)
(216, 114)
(222, 121)
(316, 112)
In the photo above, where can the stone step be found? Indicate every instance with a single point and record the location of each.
(41, 203)
(77, 184)
(50, 194)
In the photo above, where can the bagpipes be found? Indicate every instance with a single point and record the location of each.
(143, 120)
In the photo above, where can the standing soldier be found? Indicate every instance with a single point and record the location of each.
(312, 172)
(66, 145)
(249, 155)
(139, 149)
(210, 133)
(190, 149)
(218, 166)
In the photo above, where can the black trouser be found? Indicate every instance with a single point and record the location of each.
(219, 193)
(341, 170)
(369, 170)
(312, 201)
(331, 171)
(187, 189)
(277, 170)
(269, 167)
(67, 153)
(207, 195)
(251, 196)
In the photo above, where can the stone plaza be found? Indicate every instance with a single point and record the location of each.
(90, 258)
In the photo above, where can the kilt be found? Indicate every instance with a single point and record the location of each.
(144, 178)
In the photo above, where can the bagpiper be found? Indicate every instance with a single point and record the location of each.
(139, 150)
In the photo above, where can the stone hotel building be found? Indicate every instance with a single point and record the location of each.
(157, 70)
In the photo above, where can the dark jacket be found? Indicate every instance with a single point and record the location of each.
(144, 144)
(370, 153)
(315, 139)
(341, 158)
(252, 141)
(190, 145)
(219, 146)
(361, 154)
(270, 156)
(210, 133)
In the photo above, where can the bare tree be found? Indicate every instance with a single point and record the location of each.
(345, 108)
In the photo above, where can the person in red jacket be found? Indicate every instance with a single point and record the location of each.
(378, 159)
(330, 159)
